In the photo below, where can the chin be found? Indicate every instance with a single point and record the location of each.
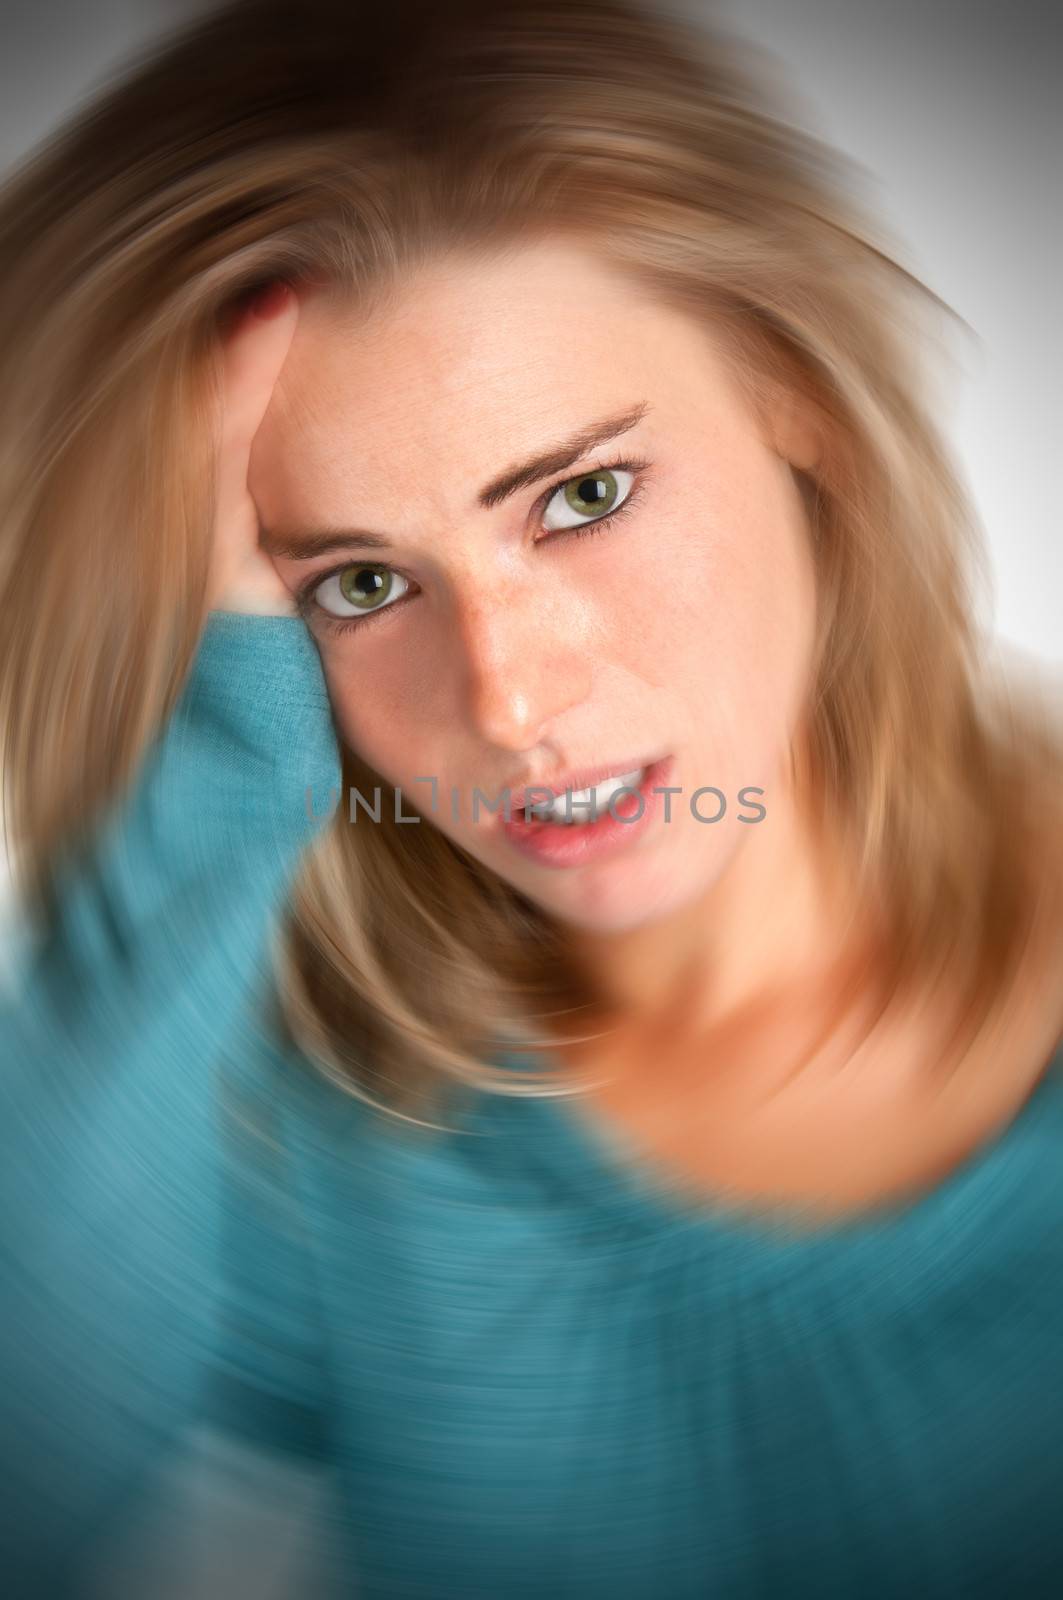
(618, 903)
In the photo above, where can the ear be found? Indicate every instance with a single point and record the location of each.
(794, 428)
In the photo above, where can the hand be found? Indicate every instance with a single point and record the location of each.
(256, 344)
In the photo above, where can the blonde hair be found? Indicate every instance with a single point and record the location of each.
(347, 144)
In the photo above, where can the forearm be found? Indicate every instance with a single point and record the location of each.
(109, 1145)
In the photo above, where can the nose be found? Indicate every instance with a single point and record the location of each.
(526, 661)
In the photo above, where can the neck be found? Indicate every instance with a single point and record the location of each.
(777, 921)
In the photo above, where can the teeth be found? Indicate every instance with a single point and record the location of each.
(588, 805)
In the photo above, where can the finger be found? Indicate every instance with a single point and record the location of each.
(254, 352)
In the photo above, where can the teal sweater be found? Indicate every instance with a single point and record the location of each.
(524, 1372)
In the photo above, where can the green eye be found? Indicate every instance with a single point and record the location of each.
(363, 586)
(360, 588)
(592, 495)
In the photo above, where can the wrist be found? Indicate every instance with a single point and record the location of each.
(249, 603)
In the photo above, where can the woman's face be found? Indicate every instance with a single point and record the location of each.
(476, 638)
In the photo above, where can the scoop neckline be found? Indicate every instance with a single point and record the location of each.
(619, 1177)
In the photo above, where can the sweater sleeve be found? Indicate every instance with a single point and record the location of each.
(120, 1186)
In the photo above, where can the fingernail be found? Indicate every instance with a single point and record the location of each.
(270, 300)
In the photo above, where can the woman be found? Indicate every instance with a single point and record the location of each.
(658, 1202)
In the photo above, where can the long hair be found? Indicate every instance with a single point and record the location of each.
(347, 142)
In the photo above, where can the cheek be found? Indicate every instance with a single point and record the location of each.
(734, 591)
(385, 727)
(726, 630)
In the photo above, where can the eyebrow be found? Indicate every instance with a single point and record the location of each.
(305, 543)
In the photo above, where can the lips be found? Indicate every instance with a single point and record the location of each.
(583, 778)
(619, 833)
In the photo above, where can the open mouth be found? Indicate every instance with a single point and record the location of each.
(581, 824)
(580, 808)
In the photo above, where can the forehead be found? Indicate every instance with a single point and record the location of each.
(481, 310)
(484, 338)
(471, 361)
